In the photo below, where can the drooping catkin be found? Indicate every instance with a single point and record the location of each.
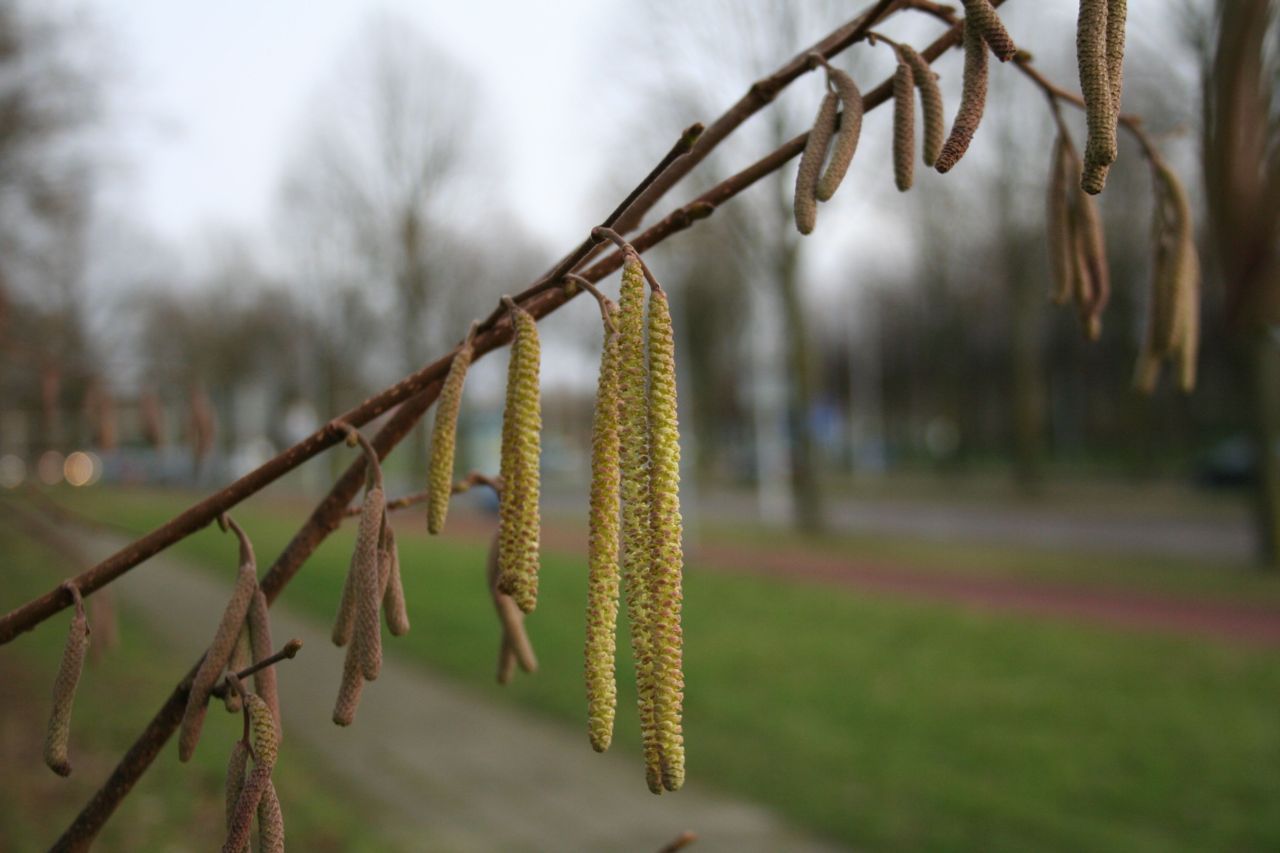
(265, 741)
(264, 680)
(236, 766)
(1092, 273)
(1117, 18)
(57, 742)
(515, 647)
(367, 640)
(636, 555)
(811, 159)
(241, 657)
(1095, 85)
(344, 709)
(444, 440)
(345, 622)
(666, 542)
(987, 21)
(393, 603)
(1173, 315)
(845, 143)
(215, 659)
(1063, 180)
(518, 514)
(602, 548)
(935, 124)
(973, 100)
(270, 822)
(904, 126)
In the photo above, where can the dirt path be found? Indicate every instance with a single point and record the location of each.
(450, 771)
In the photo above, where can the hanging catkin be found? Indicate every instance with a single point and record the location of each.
(987, 21)
(57, 740)
(515, 647)
(666, 537)
(266, 744)
(393, 603)
(1093, 277)
(215, 659)
(367, 639)
(444, 440)
(845, 143)
(236, 765)
(241, 657)
(264, 680)
(636, 555)
(1095, 84)
(270, 822)
(973, 100)
(344, 709)
(521, 448)
(602, 547)
(815, 152)
(904, 126)
(1173, 316)
(935, 124)
(1063, 180)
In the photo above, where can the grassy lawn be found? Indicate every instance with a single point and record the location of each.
(885, 724)
(175, 807)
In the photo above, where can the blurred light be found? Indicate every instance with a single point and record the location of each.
(12, 471)
(78, 468)
(97, 467)
(49, 468)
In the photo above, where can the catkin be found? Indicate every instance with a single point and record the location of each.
(1095, 84)
(393, 603)
(264, 680)
(1063, 180)
(1093, 273)
(367, 639)
(344, 709)
(235, 783)
(58, 737)
(270, 822)
(521, 449)
(636, 560)
(265, 740)
(935, 124)
(215, 659)
(602, 548)
(345, 622)
(815, 152)
(973, 100)
(987, 21)
(515, 646)
(904, 127)
(666, 548)
(444, 440)
(1173, 316)
(845, 143)
(241, 657)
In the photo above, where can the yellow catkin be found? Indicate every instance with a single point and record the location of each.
(1095, 85)
(393, 603)
(904, 127)
(935, 123)
(263, 735)
(444, 441)
(518, 514)
(270, 822)
(215, 659)
(367, 639)
(264, 680)
(845, 143)
(987, 21)
(1063, 180)
(602, 548)
(636, 556)
(241, 657)
(666, 543)
(811, 159)
(57, 741)
(973, 101)
(265, 740)
(236, 766)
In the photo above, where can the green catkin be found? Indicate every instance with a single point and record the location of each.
(666, 542)
(57, 741)
(1095, 85)
(815, 152)
(236, 766)
(393, 603)
(518, 519)
(602, 547)
(270, 822)
(215, 659)
(845, 143)
(241, 657)
(935, 123)
(264, 680)
(367, 639)
(1063, 179)
(636, 556)
(973, 101)
(987, 21)
(904, 127)
(444, 440)
(265, 740)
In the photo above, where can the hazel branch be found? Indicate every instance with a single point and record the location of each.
(475, 478)
(287, 652)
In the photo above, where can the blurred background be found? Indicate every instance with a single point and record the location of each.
(951, 583)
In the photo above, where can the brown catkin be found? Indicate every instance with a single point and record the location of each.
(935, 123)
(344, 709)
(393, 603)
(987, 21)
(57, 740)
(1095, 289)
(1095, 84)
(904, 127)
(367, 639)
(345, 622)
(666, 542)
(811, 159)
(444, 440)
(1173, 314)
(602, 548)
(241, 824)
(636, 556)
(1063, 180)
(264, 680)
(845, 143)
(236, 766)
(1117, 17)
(241, 657)
(270, 822)
(215, 659)
(511, 618)
(973, 101)
(518, 515)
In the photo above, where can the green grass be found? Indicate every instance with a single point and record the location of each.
(887, 725)
(175, 806)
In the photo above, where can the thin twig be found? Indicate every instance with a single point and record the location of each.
(475, 478)
(287, 652)
(680, 842)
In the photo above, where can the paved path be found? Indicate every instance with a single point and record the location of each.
(450, 771)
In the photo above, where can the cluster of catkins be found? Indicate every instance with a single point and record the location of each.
(1077, 246)
(251, 793)
(636, 527)
(373, 587)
